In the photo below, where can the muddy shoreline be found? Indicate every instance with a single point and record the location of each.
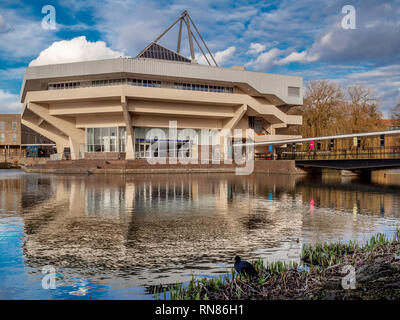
(336, 271)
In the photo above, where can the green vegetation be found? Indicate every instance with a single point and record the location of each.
(377, 266)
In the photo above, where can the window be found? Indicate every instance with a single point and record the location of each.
(2, 137)
(1, 125)
(251, 122)
(72, 85)
(89, 140)
(258, 126)
(97, 138)
(112, 138)
(14, 125)
(105, 140)
(14, 137)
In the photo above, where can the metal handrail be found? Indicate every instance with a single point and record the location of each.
(344, 154)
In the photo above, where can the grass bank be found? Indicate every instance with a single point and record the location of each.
(375, 266)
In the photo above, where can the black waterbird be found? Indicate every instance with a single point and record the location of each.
(244, 267)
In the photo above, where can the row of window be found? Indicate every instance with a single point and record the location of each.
(132, 82)
(202, 87)
(153, 149)
(67, 85)
(142, 83)
(108, 82)
(13, 125)
(3, 137)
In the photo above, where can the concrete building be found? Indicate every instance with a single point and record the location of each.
(10, 130)
(19, 141)
(104, 108)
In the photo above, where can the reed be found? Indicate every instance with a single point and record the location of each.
(281, 278)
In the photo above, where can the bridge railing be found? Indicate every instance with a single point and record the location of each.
(343, 154)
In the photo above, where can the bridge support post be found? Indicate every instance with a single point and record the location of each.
(386, 177)
(337, 172)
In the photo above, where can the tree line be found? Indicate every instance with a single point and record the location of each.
(330, 109)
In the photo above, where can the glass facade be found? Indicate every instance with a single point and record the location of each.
(162, 146)
(156, 144)
(111, 139)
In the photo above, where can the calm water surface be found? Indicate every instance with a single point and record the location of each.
(115, 237)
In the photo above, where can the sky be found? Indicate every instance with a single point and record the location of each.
(294, 37)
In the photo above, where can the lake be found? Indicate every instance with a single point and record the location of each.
(116, 237)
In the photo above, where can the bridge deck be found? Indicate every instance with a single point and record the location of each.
(355, 164)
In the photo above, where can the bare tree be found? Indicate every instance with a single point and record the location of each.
(395, 115)
(328, 109)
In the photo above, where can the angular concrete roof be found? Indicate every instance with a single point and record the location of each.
(157, 51)
(272, 86)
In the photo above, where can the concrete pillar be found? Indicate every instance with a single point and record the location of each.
(129, 147)
(75, 148)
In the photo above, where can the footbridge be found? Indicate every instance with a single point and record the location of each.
(353, 159)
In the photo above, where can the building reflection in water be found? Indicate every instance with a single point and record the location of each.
(160, 228)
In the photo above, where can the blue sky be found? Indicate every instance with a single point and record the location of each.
(303, 37)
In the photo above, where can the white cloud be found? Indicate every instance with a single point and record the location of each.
(219, 25)
(74, 50)
(384, 80)
(376, 37)
(21, 36)
(386, 72)
(326, 39)
(265, 60)
(302, 56)
(9, 103)
(273, 57)
(221, 56)
(256, 48)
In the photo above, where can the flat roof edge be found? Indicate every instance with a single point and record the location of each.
(265, 83)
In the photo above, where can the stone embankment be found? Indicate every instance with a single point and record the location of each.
(93, 166)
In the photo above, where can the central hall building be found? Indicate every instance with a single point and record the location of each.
(104, 108)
